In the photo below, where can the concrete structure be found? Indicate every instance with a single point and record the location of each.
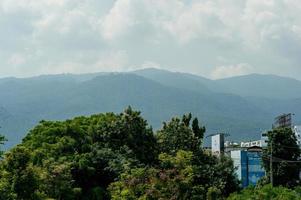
(283, 121)
(248, 165)
(240, 161)
(297, 131)
(264, 139)
(255, 169)
(217, 144)
(231, 144)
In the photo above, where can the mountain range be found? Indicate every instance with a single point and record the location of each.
(241, 106)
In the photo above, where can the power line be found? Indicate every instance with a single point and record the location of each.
(289, 147)
(276, 159)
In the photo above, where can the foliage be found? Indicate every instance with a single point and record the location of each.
(178, 135)
(209, 171)
(184, 170)
(267, 192)
(17, 175)
(172, 180)
(77, 159)
(114, 156)
(176, 177)
(285, 154)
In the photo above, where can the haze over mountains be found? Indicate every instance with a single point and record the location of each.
(242, 106)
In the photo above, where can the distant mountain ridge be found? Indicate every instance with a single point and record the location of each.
(256, 85)
(268, 86)
(222, 105)
(176, 79)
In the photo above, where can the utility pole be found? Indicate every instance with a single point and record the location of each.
(271, 164)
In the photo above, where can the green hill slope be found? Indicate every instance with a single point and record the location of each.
(267, 86)
(238, 105)
(60, 97)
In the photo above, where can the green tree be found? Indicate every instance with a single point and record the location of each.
(209, 171)
(81, 157)
(18, 173)
(177, 177)
(267, 192)
(212, 172)
(173, 179)
(78, 158)
(178, 135)
(283, 147)
(213, 193)
(137, 135)
(198, 131)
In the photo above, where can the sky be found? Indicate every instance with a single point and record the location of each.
(211, 38)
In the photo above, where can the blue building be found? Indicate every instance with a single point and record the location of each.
(248, 165)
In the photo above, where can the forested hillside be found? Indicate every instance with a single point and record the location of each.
(223, 105)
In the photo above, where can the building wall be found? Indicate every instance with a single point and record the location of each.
(248, 166)
(217, 144)
(297, 131)
(240, 164)
(264, 139)
(255, 169)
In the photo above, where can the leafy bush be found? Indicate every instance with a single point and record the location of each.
(267, 192)
(114, 156)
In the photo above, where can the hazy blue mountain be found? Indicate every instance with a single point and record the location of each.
(267, 86)
(4, 114)
(176, 79)
(60, 97)
(279, 106)
(270, 93)
(73, 77)
(158, 94)
(253, 85)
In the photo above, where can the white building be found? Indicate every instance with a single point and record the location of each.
(256, 143)
(217, 144)
(297, 131)
(231, 144)
(264, 139)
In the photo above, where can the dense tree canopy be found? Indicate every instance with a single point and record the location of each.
(172, 179)
(267, 193)
(77, 158)
(184, 171)
(176, 177)
(114, 156)
(179, 135)
(283, 147)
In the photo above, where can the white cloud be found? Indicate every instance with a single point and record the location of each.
(190, 21)
(232, 70)
(106, 62)
(119, 19)
(151, 64)
(182, 34)
(17, 59)
(113, 61)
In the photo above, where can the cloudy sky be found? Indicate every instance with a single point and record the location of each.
(213, 38)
